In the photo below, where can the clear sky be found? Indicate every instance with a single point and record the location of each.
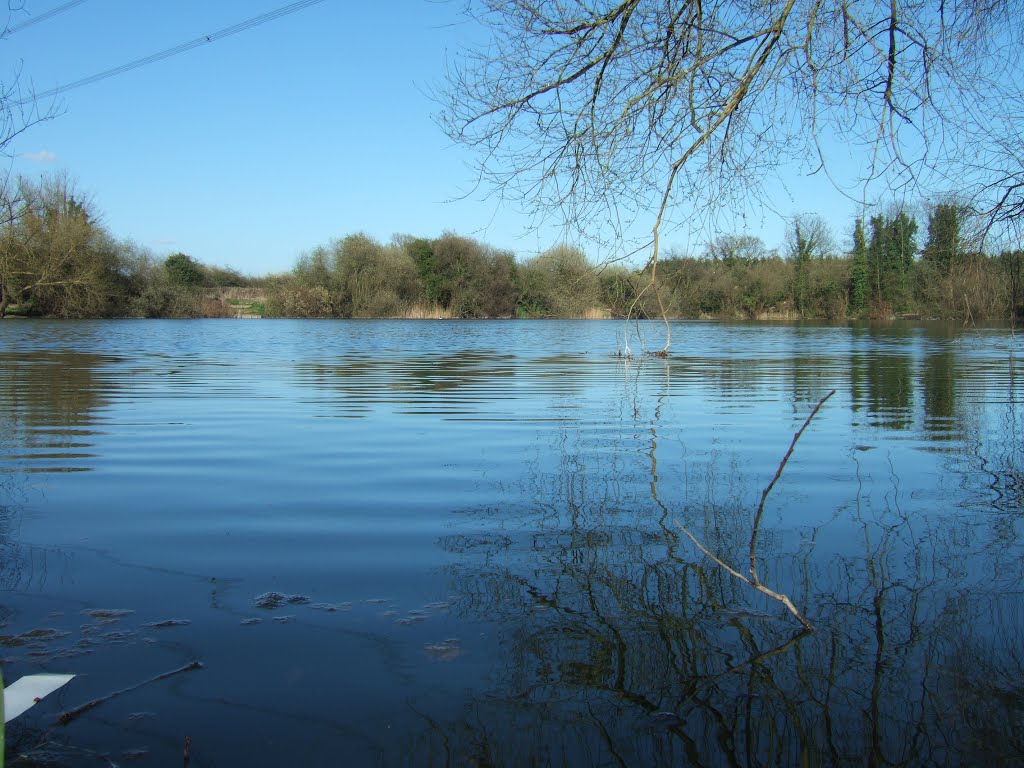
(248, 151)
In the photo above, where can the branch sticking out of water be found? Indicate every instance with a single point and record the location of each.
(778, 474)
(71, 714)
(754, 580)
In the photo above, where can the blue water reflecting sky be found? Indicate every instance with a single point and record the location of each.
(479, 523)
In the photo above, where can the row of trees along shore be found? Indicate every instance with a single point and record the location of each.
(57, 260)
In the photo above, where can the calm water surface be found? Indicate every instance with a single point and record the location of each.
(470, 536)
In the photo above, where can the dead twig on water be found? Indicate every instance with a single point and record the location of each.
(754, 580)
(71, 714)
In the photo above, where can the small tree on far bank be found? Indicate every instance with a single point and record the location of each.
(421, 251)
(558, 283)
(891, 252)
(944, 247)
(183, 271)
(809, 239)
(860, 286)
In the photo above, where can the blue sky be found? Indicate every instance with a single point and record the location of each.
(255, 148)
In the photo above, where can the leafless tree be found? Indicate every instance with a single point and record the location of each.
(738, 249)
(989, 177)
(615, 111)
(815, 241)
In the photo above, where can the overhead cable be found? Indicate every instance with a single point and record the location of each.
(44, 16)
(153, 58)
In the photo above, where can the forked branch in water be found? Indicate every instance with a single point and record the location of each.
(754, 580)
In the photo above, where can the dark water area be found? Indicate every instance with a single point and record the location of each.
(458, 543)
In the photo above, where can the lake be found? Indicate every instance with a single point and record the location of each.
(445, 543)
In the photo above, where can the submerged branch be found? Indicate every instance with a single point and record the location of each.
(71, 714)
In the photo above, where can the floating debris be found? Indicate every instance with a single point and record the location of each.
(168, 623)
(446, 650)
(251, 621)
(378, 600)
(284, 619)
(272, 600)
(32, 636)
(107, 613)
(331, 607)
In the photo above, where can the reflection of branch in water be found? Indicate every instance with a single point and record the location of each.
(614, 651)
(758, 657)
(619, 656)
(754, 579)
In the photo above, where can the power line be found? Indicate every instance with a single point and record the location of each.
(153, 58)
(44, 16)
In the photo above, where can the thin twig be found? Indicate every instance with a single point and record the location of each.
(778, 474)
(755, 584)
(71, 714)
(703, 549)
(754, 581)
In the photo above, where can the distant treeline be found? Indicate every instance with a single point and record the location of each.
(56, 260)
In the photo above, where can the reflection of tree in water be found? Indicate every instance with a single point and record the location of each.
(1000, 450)
(883, 386)
(624, 646)
(11, 560)
(48, 406)
(938, 384)
(48, 402)
(362, 379)
(985, 679)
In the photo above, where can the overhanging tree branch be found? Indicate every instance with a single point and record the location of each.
(613, 113)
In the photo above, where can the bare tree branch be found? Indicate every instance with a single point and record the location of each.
(754, 580)
(614, 113)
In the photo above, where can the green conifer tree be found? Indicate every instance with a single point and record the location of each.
(860, 284)
(943, 247)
